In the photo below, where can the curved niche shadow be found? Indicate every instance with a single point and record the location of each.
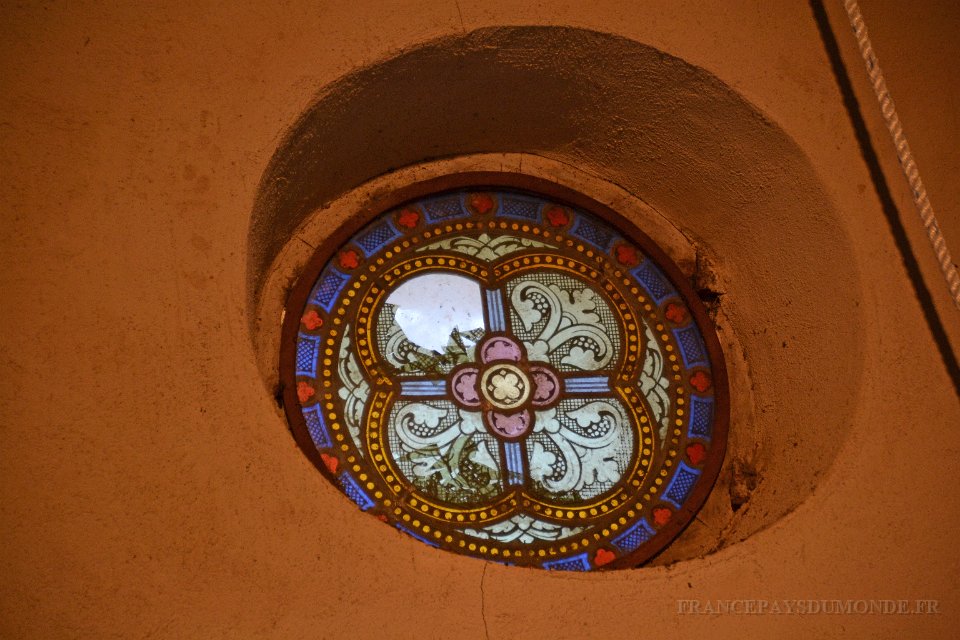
(667, 132)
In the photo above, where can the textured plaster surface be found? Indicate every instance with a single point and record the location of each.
(148, 484)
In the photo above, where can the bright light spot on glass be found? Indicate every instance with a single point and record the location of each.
(430, 307)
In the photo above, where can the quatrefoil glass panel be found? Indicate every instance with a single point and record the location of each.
(503, 374)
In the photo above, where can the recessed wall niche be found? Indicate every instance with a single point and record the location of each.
(717, 186)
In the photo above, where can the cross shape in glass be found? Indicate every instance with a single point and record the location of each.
(505, 387)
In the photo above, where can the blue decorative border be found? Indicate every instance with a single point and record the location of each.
(573, 563)
(376, 236)
(329, 285)
(520, 208)
(594, 232)
(307, 348)
(419, 537)
(353, 490)
(653, 281)
(691, 346)
(701, 418)
(317, 427)
(631, 539)
(444, 208)
(681, 485)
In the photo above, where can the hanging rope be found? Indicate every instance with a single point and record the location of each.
(907, 164)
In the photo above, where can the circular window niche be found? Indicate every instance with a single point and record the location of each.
(723, 240)
(501, 367)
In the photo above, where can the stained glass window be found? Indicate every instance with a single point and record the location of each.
(502, 374)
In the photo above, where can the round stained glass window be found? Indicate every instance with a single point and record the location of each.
(515, 374)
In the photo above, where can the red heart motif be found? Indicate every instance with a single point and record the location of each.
(383, 518)
(481, 202)
(696, 453)
(700, 381)
(556, 216)
(603, 557)
(304, 392)
(312, 320)
(627, 255)
(349, 259)
(675, 313)
(330, 462)
(661, 516)
(408, 219)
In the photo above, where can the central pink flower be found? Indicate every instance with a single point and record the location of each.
(505, 387)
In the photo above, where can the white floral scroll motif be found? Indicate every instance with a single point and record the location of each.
(654, 385)
(591, 442)
(541, 461)
(484, 247)
(355, 390)
(558, 318)
(445, 452)
(525, 529)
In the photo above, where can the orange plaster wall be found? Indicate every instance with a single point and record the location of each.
(148, 484)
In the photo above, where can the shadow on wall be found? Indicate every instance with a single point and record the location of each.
(666, 132)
